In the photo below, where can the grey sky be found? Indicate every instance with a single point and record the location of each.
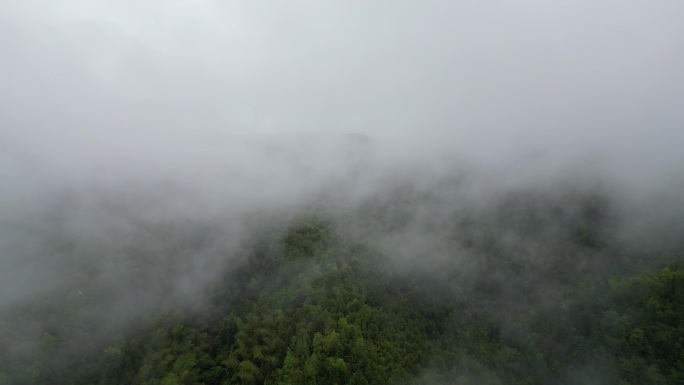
(84, 81)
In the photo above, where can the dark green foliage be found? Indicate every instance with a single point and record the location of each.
(530, 292)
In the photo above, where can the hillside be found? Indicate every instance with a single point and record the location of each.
(400, 288)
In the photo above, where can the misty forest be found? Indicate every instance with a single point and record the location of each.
(427, 282)
(218, 192)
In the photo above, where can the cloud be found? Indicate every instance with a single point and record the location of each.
(240, 103)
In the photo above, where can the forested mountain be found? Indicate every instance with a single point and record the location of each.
(309, 192)
(411, 284)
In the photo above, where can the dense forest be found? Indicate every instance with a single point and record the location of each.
(409, 285)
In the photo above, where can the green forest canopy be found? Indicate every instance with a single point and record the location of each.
(531, 290)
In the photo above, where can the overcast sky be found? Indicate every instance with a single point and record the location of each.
(84, 81)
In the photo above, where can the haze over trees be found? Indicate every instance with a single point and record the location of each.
(178, 204)
(407, 284)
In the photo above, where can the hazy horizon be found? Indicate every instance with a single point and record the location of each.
(115, 82)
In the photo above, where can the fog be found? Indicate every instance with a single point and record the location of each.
(109, 91)
(87, 82)
(120, 118)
